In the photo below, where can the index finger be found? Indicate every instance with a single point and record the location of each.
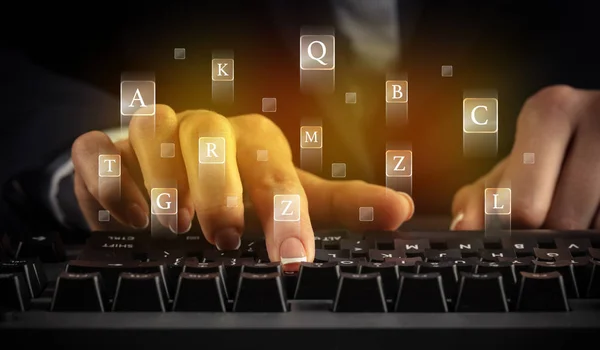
(275, 190)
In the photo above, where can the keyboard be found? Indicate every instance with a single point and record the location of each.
(431, 288)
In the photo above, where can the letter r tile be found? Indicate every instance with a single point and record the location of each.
(211, 150)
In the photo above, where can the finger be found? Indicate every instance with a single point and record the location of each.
(129, 159)
(340, 203)
(544, 128)
(275, 190)
(577, 194)
(119, 195)
(596, 223)
(468, 203)
(209, 151)
(156, 145)
(92, 210)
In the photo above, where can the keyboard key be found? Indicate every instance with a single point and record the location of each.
(46, 246)
(190, 244)
(522, 246)
(495, 254)
(113, 246)
(542, 292)
(465, 264)
(594, 253)
(481, 293)
(32, 271)
(409, 265)
(447, 271)
(174, 267)
(523, 264)
(505, 268)
(110, 271)
(322, 255)
(331, 239)
(165, 257)
(140, 292)
(233, 268)
(552, 254)
(263, 256)
(576, 246)
(357, 248)
(14, 293)
(212, 255)
(262, 268)
(349, 265)
(467, 247)
(317, 281)
(260, 293)
(492, 243)
(412, 247)
(593, 289)
(565, 268)
(251, 248)
(78, 292)
(582, 268)
(360, 293)
(421, 292)
(381, 255)
(200, 292)
(442, 255)
(208, 268)
(389, 276)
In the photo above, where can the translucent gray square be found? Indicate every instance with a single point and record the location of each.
(351, 97)
(447, 71)
(179, 53)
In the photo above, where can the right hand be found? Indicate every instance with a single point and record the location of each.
(203, 188)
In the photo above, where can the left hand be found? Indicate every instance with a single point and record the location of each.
(561, 126)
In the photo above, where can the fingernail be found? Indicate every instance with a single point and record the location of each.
(410, 202)
(228, 239)
(457, 219)
(291, 253)
(182, 222)
(137, 217)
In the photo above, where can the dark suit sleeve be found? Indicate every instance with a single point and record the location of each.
(42, 114)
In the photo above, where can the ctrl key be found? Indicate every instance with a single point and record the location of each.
(13, 292)
(542, 292)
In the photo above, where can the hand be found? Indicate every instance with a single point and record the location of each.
(561, 126)
(203, 188)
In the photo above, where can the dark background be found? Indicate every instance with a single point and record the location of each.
(515, 47)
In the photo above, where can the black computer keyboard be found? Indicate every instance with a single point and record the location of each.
(421, 288)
